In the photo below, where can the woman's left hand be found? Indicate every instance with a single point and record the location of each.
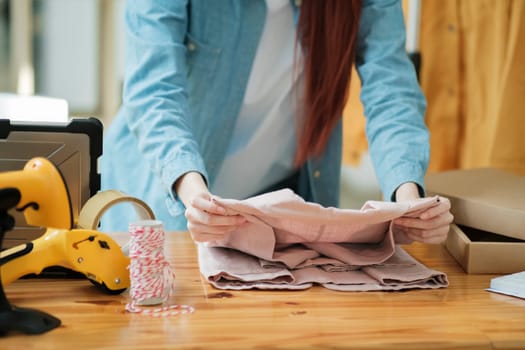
(432, 225)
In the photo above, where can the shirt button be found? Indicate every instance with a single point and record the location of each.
(317, 173)
(191, 46)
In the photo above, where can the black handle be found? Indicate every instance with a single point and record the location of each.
(12, 318)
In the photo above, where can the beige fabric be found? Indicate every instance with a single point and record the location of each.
(287, 243)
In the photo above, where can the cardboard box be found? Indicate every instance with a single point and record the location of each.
(489, 213)
(477, 253)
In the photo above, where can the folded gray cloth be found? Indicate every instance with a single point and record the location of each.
(288, 243)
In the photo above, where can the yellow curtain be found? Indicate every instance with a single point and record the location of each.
(473, 75)
(354, 139)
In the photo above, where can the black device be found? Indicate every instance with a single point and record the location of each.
(74, 148)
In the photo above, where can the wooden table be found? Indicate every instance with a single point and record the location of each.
(462, 316)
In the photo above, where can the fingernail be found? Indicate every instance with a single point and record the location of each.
(221, 210)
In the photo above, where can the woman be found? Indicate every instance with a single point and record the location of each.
(238, 98)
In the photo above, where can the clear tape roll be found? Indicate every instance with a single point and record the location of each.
(92, 211)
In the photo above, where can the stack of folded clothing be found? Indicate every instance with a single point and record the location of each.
(288, 243)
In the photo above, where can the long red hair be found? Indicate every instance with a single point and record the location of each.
(327, 35)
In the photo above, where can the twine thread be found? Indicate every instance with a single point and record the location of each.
(151, 276)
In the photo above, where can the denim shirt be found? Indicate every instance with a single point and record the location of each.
(187, 67)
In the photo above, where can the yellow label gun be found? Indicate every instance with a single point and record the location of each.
(94, 254)
(45, 202)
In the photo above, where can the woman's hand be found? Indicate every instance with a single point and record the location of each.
(207, 221)
(432, 225)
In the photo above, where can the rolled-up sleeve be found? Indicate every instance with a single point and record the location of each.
(393, 101)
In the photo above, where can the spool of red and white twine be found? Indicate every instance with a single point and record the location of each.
(151, 276)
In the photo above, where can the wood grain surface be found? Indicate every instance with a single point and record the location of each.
(463, 316)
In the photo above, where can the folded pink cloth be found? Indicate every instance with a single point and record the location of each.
(288, 243)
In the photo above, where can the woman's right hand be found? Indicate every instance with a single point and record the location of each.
(207, 221)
